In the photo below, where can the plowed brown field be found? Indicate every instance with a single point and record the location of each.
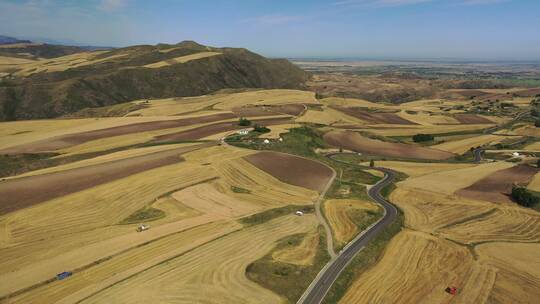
(291, 169)
(497, 186)
(52, 144)
(356, 142)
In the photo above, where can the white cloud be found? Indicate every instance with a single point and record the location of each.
(112, 5)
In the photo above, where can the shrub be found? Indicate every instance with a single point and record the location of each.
(524, 197)
(372, 163)
(537, 123)
(422, 137)
(244, 122)
(261, 129)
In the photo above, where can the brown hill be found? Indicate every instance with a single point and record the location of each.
(45, 89)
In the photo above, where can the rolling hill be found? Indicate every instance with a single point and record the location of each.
(51, 88)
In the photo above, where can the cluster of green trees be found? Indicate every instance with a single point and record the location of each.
(261, 129)
(423, 137)
(524, 197)
(244, 122)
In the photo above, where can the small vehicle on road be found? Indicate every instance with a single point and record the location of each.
(142, 228)
(63, 275)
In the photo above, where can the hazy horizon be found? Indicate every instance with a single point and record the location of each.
(478, 30)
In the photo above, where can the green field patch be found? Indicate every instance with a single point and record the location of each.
(145, 214)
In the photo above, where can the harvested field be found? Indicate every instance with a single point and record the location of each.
(205, 131)
(463, 145)
(415, 169)
(175, 106)
(69, 140)
(263, 97)
(293, 170)
(85, 226)
(218, 267)
(535, 183)
(423, 118)
(505, 224)
(374, 117)
(425, 129)
(263, 110)
(518, 278)
(302, 254)
(99, 277)
(356, 142)
(328, 116)
(352, 102)
(472, 119)
(15, 133)
(497, 187)
(23, 192)
(341, 215)
(528, 131)
(181, 59)
(416, 268)
(447, 182)
(428, 211)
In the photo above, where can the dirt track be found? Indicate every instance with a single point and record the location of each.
(70, 140)
(356, 142)
(471, 119)
(23, 192)
(498, 186)
(204, 131)
(375, 118)
(293, 170)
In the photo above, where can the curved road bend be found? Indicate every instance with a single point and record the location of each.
(328, 275)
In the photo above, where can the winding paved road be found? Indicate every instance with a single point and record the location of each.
(328, 275)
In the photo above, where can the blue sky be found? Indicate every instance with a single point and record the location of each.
(475, 29)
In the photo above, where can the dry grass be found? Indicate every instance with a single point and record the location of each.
(463, 145)
(181, 59)
(302, 254)
(276, 130)
(63, 63)
(339, 211)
